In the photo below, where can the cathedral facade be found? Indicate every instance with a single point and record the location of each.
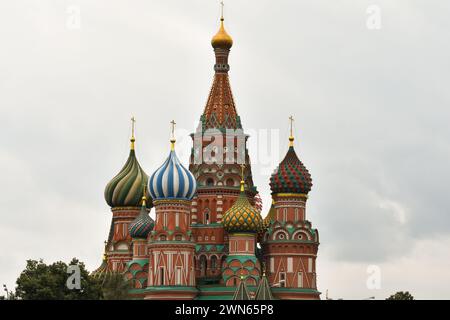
(209, 239)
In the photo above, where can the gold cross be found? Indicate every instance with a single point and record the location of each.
(133, 122)
(291, 119)
(173, 123)
(242, 171)
(222, 4)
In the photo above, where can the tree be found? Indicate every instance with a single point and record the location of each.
(116, 287)
(49, 282)
(401, 296)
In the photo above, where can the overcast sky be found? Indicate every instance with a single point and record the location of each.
(369, 96)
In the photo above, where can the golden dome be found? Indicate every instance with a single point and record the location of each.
(222, 39)
(242, 216)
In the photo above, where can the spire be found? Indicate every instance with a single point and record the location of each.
(220, 110)
(133, 140)
(291, 137)
(242, 291)
(264, 292)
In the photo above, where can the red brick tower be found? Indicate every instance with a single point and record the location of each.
(290, 244)
(123, 194)
(171, 246)
(242, 222)
(219, 150)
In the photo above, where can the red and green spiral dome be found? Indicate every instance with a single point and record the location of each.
(291, 176)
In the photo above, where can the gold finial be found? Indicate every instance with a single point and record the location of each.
(291, 137)
(222, 39)
(133, 121)
(144, 197)
(173, 140)
(104, 252)
(242, 177)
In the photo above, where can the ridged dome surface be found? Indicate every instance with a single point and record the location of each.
(172, 181)
(266, 222)
(291, 176)
(126, 189)
(269, 218)
(242, 217)
(142, 225)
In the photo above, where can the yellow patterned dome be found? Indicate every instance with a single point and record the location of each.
(242, 216)
(222, 39)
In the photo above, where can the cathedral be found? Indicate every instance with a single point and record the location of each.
(209, 240)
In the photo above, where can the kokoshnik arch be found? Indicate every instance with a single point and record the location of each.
(204, 242)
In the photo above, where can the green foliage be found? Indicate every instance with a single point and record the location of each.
(49, 282)
(115, 287)
(401, 296)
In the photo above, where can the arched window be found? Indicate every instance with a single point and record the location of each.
(230, 182)
(203, 266)
(210, 182)
(207, 217)
(213, 262)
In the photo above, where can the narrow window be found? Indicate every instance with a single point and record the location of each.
(300, 280)
(178, 271)
(161, 276)
(290, 264)
(310, 265)
(283, 279)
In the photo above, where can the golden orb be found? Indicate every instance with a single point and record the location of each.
(222, 39)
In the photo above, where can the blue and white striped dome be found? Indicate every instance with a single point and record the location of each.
(172, 181)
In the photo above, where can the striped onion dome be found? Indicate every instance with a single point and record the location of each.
(127, 187)
(291, 176)
(242, 216)
(172, 180)
(143, 224)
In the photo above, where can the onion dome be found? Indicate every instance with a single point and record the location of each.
(266, 222)
(222, 40)
(270, 217)
(143, 224)
(242, 216)
(127, 187)
(291, 175)
(172, 180)
(103, 271)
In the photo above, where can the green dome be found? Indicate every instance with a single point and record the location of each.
(126, 188)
